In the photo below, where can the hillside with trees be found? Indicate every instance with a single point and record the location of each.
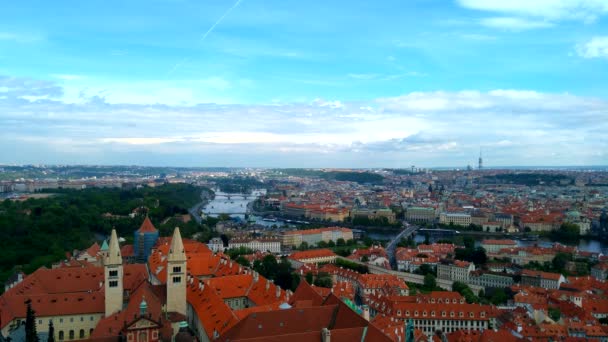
(38, 232)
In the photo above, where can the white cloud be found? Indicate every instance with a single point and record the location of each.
(20, 37)
(439, 128)
(597, 47)
(68, 77)
(514, 23)
(585, 10)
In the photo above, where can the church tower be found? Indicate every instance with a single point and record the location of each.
(113, 275)
(176, 275)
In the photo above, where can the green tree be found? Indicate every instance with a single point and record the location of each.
(430, 283)
(560, 260)
(323, 280)
(309, 277)
(303, 246)
(499, 297)
(555, 314)
(243, 261)
(425, 269)
(331, 244)
(51, 337)
(365, 258)
(322, 244)
(30, 324)
(340, 242)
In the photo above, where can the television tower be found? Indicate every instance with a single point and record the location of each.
(480, 160)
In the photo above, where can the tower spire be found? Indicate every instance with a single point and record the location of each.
(113, 275)
(176, 275)
(480, 159)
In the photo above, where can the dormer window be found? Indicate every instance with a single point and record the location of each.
(471, 314)
(483, 314)
(451, 313)
(461, 314)
(442, 313)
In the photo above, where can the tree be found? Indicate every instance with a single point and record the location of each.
(30, 324)
(309, 277)
(430, 282)
(323, 280)
(51, 332)
(555, 314)
(243, 261)
(322, 244)
(331, 244)
(560, 260)
(303, 246)
(340, 242)
(499, 297)
(365, 258)
(425, 269)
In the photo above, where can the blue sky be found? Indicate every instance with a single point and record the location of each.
(305, 83)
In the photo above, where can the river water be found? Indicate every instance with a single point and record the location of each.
(236, 206)
(588, 245)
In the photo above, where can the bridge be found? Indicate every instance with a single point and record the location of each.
(390, 248)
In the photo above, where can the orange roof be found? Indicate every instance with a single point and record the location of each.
(147, 226)
(313, 253)
(499, 242)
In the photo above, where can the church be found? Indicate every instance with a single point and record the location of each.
(112, 302)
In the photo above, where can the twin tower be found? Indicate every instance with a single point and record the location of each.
(176, 276)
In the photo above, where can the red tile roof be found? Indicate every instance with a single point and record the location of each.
(147, 226)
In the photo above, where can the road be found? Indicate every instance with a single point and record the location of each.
(390, 248)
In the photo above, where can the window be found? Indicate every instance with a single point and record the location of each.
(39, 321)
(177, 280)
(113, 283)
(471, 314)
(71, 319)
(177, 269)
(61, 335)
(81, 335)
(91, 318)
(461, 314)
(61, 320)
(82, 319)
(71, 334)
(113, 273)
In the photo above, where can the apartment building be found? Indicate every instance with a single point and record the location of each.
(459, 219)
(455, 270)
(420, 214)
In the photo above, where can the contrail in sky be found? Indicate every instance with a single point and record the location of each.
(183, 61)
(220, 20)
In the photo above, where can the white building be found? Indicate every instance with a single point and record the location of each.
(216, 245)
(271, 245)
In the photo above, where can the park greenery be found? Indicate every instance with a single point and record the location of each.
(74, 219)
(352, 266)
(349, 176)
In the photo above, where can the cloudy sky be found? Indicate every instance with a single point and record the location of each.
(290, 83)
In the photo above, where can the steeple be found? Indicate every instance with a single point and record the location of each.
(113, 257)
(480, 160)
(113, 275)
(176, 275)
(176, 251)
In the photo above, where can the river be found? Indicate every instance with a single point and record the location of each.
(588, 245)
(235, 205)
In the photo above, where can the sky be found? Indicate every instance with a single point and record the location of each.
(311, 83)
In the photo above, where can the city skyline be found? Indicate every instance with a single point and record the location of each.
(275, 84)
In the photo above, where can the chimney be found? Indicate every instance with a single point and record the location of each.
(267, 284)
(255, 276)
(365, 312)
(278, 288)
(325, 335)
